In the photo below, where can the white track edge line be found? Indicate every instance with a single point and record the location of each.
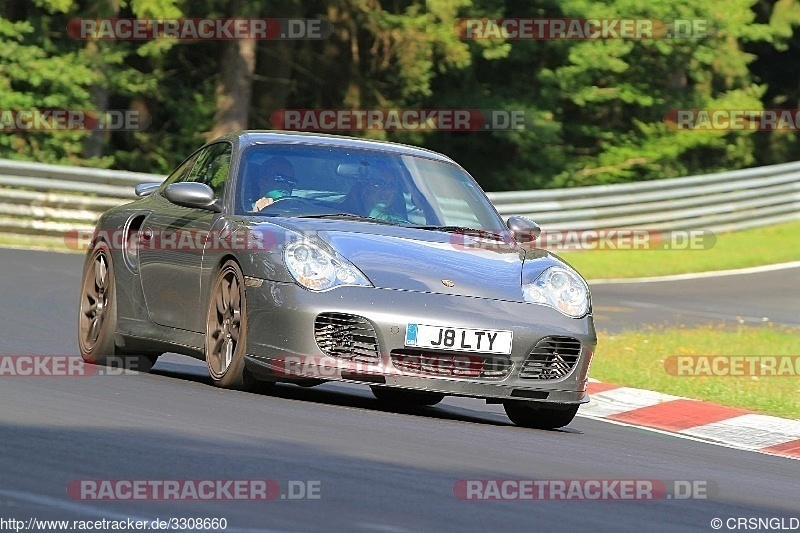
(697, 275)
(687, 437)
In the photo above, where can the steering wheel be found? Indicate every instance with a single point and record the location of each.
(293, 204)
(285, 198)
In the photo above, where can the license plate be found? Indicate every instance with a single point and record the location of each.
(496, 341)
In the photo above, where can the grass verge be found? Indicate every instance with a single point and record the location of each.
(753, 247)
(637, 359)
(41, 242)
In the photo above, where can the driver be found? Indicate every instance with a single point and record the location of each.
(380, 198)
(275, 180)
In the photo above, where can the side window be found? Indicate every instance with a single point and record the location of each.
(180, 173)
(212, 167)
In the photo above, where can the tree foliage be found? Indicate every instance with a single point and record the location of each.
(594, 108)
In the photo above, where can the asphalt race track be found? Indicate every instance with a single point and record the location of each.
(754, 298)
(379, 469)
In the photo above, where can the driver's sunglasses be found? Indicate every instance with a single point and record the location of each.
(282, 178)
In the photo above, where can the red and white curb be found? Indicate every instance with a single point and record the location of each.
(737, 428)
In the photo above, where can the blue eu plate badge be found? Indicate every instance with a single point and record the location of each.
(411, 335)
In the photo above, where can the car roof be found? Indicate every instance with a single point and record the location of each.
(251, 137)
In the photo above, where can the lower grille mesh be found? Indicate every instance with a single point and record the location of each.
(551, 358)
(449, 364)
(350, 337)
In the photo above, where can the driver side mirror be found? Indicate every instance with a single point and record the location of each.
(193, 194)
(524, 229)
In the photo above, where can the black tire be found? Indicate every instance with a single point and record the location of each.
(407, 397)
(539, 416)
(97, 321)
(226, 331)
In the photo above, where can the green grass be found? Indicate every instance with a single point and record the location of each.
(40, 242)
(636, 359)
(759, 246)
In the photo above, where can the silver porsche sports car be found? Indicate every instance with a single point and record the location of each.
(305, 258)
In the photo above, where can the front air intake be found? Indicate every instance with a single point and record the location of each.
(551, 358)
(345, 336)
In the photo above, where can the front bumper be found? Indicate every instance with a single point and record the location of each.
(281, 343)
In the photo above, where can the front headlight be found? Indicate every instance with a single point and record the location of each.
(318, 269)
(559, 287)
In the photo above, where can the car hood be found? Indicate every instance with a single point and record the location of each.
(395, 257)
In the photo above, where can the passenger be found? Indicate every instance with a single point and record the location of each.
(379, 198)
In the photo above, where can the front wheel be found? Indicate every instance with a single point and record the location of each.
(407, 397)
(539, 416)
(226, 331)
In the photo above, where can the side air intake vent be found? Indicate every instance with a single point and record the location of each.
(551, 358)
(345, 336)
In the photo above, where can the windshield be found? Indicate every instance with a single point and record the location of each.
(320, 181)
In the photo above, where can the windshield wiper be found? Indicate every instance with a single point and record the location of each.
(473, 232)
(348, 216)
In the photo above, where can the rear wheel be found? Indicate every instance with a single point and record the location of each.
(539, 416)
(407, 397)
(97, 323)
(226, 331)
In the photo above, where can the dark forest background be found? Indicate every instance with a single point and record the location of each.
(595, 109)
